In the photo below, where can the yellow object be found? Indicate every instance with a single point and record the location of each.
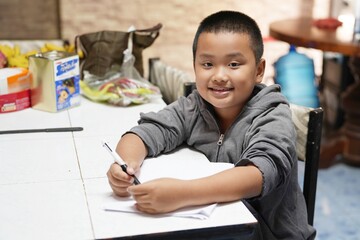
(32, 52)
(43, 49)
(7, 51)
(53, 47)
(70, 48)
(80, 53)
(97, 95)
(18, 61)
(14, 57)
(16, 51)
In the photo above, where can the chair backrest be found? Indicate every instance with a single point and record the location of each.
(308, 125)
(171, 81)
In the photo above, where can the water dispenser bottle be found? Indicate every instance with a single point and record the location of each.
(295, 73)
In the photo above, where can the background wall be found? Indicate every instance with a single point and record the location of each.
(180, 19)
(21, 20)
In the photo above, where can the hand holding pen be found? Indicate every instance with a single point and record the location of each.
(119, 160)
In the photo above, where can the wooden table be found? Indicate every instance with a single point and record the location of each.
(301, 32)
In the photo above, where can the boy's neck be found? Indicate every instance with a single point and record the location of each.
(226, 117)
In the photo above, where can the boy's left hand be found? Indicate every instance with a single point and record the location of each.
(158, 196)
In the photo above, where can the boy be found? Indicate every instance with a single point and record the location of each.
(231, 117)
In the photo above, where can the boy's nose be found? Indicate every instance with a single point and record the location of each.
(220, 74)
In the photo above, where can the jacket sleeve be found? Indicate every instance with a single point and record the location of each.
(165, 130)
(270, 145)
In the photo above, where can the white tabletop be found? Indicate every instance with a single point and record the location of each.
(53, 185)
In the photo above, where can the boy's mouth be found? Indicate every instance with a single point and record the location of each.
(220, 89)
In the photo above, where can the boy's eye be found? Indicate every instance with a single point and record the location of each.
(234, 64)
(207, 65)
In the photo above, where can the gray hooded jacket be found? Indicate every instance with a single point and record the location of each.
(263, 134)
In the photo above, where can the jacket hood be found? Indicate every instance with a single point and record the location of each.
(265, 97)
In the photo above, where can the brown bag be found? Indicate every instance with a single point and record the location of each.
(104, 50)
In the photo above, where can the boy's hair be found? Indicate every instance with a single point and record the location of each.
(233, 22)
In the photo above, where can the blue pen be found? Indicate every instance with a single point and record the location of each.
(119, 161)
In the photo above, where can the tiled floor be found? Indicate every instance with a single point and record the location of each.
(337, 208)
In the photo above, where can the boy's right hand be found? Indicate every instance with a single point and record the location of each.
(119, 180)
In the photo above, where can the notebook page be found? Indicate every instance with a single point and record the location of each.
(184, 164)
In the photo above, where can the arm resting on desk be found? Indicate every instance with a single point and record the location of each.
(168, 194)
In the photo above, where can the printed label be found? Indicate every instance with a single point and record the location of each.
(67, 92)
(66, 67)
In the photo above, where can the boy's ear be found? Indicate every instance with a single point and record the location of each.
(260, 70)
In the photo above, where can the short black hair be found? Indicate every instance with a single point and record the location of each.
(234, 22)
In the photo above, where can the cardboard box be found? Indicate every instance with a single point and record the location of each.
(14, 89)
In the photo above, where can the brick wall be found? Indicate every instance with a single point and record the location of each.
(180, 19)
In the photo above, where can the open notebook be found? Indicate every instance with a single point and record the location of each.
(187, 165)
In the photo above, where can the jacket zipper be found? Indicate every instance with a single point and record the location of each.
(219, 143)
(221, 138)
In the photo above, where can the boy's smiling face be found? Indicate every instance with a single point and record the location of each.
(226, 71)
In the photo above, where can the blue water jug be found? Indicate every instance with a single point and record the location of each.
(295, 73)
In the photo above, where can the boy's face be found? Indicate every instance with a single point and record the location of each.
(226, 71)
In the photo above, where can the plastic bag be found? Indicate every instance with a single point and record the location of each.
(121, 91)
(120, 86)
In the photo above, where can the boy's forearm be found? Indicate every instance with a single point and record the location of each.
(132, 149)
(230, 185)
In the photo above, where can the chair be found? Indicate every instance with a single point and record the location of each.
(308, 125)
(172, 82)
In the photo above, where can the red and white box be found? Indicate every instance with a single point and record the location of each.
(14, 89)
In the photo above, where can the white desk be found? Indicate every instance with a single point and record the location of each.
(52, 185)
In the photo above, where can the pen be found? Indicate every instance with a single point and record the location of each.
(65, 129)
(119, 161)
